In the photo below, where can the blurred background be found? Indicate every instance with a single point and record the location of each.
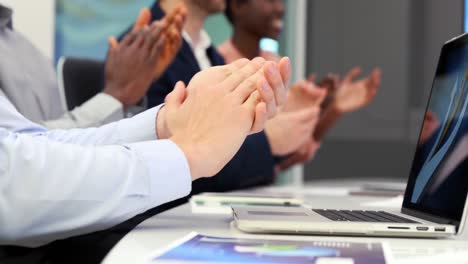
(403, 37)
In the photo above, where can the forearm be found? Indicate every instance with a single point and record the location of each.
(52, 190)
(97, 111)
(141, 127)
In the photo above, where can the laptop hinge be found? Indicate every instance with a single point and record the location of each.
(430, 217)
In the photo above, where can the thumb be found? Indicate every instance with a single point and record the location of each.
(113, 46)
(177, 97)
(143, 19)
(113, 43)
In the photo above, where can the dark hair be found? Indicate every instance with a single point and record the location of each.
(228, 11)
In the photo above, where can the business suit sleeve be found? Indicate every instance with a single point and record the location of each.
(51, 190)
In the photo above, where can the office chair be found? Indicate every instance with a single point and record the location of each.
(79, 80)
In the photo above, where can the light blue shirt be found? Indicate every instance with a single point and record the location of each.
(61, 183)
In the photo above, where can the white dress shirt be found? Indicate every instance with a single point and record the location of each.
(199, 48)
(57, 184)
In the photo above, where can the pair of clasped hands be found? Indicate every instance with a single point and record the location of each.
(211, 117)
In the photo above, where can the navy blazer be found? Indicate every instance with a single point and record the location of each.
(253, 165)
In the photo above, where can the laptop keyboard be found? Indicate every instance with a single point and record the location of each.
(362, 216)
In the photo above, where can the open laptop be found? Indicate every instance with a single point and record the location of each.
(435, 202)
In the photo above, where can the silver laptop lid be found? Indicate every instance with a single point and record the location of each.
(438, 181)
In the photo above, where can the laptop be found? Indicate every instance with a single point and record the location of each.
(435, 201)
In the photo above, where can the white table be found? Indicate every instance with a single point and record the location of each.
(159, 231)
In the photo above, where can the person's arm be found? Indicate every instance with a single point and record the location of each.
(131, 65)
(326, 122)
(52, 190)
(100, 109)
(138, 128)
(350, 96)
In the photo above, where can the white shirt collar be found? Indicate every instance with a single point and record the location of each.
(199, 50)
(204, 40)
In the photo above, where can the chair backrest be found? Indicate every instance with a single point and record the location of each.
(79, 79)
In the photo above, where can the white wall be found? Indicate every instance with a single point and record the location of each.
(36, 20)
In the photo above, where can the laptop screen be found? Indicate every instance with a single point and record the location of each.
(438, 181)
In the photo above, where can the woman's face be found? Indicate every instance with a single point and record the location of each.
(261, 17)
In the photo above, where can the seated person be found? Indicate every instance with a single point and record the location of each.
(255, 20)
(254, 164)
(28, 80)
(60, 183)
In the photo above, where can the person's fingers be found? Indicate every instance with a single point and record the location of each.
(172, 33)
(373, 83)
(177, 17)
(227, 70)
(247, 87)
(236, 65)
(172, 14)
(259, 110)
(129, 39)
(153, 36)
(158, 48)
(239, 76)
(308, 114)
(155, 40)
(285, 69)
(141, 36)
(375, 78)
(177, 97)
(142, 20)
(352, 74)
(113, 47)
(113, 43)
(315, 95)
(179, 21)
(267, 95)
(276, 82)
(261, 116)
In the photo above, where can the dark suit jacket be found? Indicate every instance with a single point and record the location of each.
(253, 164)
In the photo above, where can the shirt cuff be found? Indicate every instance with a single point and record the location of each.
(141, 127)
(168, 170)
(105, 107)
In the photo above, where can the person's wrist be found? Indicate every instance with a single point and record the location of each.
(335, 110)
(191, 154)
(117, 94)
(269, 133)
(162, 130)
